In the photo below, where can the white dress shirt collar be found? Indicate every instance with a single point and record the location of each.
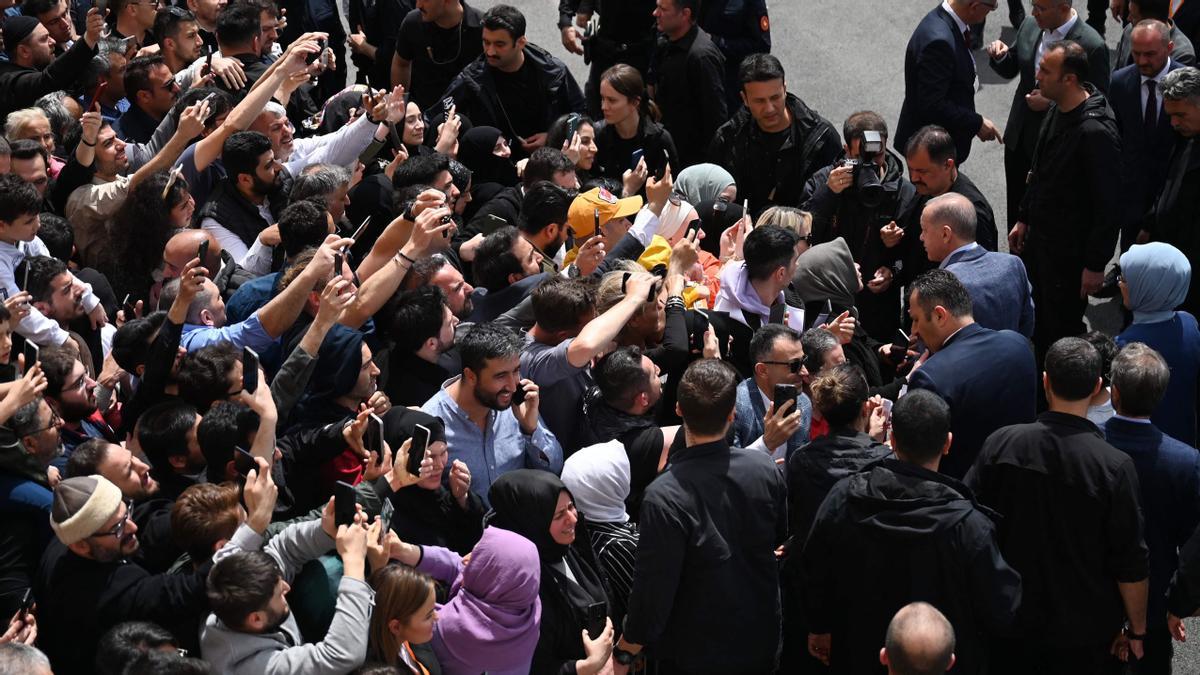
(1159, 75)
(962, 25)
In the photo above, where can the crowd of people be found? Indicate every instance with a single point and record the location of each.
(466, 368)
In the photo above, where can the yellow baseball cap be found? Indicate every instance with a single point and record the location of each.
(582, 215)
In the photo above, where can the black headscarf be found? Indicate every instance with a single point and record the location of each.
(524, 501)
(714, 222)
(475, 150)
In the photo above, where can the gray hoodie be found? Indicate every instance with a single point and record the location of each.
(284, 652)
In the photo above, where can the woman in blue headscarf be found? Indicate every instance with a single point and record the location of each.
(1154, 281)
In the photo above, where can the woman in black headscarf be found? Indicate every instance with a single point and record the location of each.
(485, 151)
(536, 505)
(428, 513)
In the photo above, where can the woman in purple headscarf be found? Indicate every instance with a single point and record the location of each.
(492, 620)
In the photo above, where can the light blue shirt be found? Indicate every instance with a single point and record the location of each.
(965, 247)
(249, 333)
(498, 448)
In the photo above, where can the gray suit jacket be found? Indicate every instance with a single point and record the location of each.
(1021, 130)
(999, 288)
(1183, 51)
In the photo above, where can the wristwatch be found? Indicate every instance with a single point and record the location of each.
(623, 657)
(1129, 634)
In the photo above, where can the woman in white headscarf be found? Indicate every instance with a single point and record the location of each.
(598, 478)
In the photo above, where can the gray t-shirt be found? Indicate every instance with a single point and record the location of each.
(562, 387)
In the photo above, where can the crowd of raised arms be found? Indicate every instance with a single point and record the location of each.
(464, 368)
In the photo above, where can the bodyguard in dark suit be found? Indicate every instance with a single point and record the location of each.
(1146, 136)
(1169, 481)
(1182, 49)
(1028, 109)
(940, 78)
(988, 377)
(996, 282)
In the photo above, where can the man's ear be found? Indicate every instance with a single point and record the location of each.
(521, 42)
(231, 472)
(143, 97)
(949, 442)
(79, 548)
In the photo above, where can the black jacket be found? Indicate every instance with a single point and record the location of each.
(768, 177)
(21, 86)
(474, 91)
(813, 470)
(1177, 211)
(497, 212)
(688, 77)
(897, 533)
(706, 592)
(1073, 202)
(434, 518)
(654, 140)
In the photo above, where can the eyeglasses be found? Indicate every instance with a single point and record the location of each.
(806, 238)
(55, 420)
(119, 529)
(793, 366)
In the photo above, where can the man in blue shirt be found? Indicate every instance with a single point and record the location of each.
(474, 404)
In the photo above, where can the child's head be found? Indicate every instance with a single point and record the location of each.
(5, 334)
(20, 205)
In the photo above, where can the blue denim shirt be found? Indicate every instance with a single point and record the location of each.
(499, 448)
(249, 333)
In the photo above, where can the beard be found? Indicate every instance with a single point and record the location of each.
(74, 412)
(263, 188)
(491, 400)
(277, 622)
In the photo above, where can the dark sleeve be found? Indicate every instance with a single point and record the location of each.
(159, 362)
(997, 586)
(676, 349)
(821, 202)
(1008, 67)
(1098, 67)
(718, 148)
(62, 73)
(628, 248)
(408, 37)
(73, 175)
(660, 560)
(1102, 151)
(306, 450)
(161, 598)
(567, 9)
(817, 575)
(935, 73)
(985, 222)
(668, 144)
(1127, 555)
(1183, 596)
(755, 36)
(708, 71)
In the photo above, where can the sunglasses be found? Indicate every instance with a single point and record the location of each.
(793, 366)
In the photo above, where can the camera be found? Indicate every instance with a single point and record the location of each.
(866, 183)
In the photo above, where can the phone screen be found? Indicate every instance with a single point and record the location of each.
(783, 394)
(243, 461)
(374, 437)
(345, 504)
(417, 449)
(636, 157)
(385, 519)
(249, 370)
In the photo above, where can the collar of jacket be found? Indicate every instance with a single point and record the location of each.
(719, 447)
(806, 124)
(1059, 419)
(964, 332)
(910, 469)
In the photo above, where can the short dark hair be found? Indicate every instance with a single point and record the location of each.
(56, 233)
(27, 148)
(768, 248)
(545, 204)
(544, 163)
(137, 74)
(938, 144)
(706, 395)
(420, 170)
(225, 426)
(1153, 9)
(620, 377)
(127, 641)
(42, 271)
(938, 287)
(418, 317)
(505, 17)
(86, 458)
(920, 426)
(817, 342)
(423, 270)
(157, 662)
(240, 584)
(839, 394)
(1107, 348)
(560, 304)
(237, 26)
(57, 364)
(760, 68)
(242, 150)
(494, 259)
(692, 5)
(131, 342)
(863, 120)
(168, 20)
(1140, 376)
(203, 515)
(486, 341)
(1072, 368)
(35, 7)
(17, 198)
(1075, 60)
(220, 103)
(204, 374)
(303, 224)
(25, 420)
(162, 431)
(763, 341)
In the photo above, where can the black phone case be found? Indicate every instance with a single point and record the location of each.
(783, 394)
(416, 452)
(243, 461)
(345, 504)
(597, 613)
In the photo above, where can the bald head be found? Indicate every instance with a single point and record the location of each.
(1150, 45)
(955, 211)
(920, 641)
(183, 246)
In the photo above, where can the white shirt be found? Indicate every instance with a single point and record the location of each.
(962, 25)
(41, 329)
(1049, 37)
(1157, 77)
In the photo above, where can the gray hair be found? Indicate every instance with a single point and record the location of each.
(1161, 29)
(817, 342)
(21, 658)
(60, 118)
(319, 180)
(1180, 84)
(25, 420)
(1140, 376)
(956, 211)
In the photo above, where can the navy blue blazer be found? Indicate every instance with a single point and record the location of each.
(1001, 296)
(989, 379)
(939, 83)
(1144, 157)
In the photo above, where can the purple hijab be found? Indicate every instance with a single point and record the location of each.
(492, 621)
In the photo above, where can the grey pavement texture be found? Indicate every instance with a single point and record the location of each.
(845, 56)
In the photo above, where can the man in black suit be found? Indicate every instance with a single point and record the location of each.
(1146, 136)
(1053, 21)
(984, 392)
(940, 79)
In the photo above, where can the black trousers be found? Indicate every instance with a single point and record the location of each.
(1157, 657)
(1056, 278)
(1034, 658)
(1016, 171)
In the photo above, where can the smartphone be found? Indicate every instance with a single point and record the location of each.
(25, 277)
(129, 308)
(746, 207)
(823, 317)
(337, 264)
(783, 394)
(573, 123)
(102, 6)
(901, 340)
(311, 58)
(597, 615)
(243, 461)
(31, 354)
(417, 449)
(887, 407)
(385, 519)
(208, 60)
(202, 253)
(596, 214)
(361, 228)
(249, 370)
(661, 169)
(345, 504)
(636, 157)
(447, 104)
(373, 440)
(94, 101)
(26, 602)
(519, 395)
(570, 243)
(699, 327)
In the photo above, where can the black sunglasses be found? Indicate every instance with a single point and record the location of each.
(793, 366)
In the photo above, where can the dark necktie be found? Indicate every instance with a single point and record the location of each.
(967, 37)
(1150, 118)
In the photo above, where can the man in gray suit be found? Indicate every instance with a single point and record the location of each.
(996, 282)
(1051, 21)
(1181, 49)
